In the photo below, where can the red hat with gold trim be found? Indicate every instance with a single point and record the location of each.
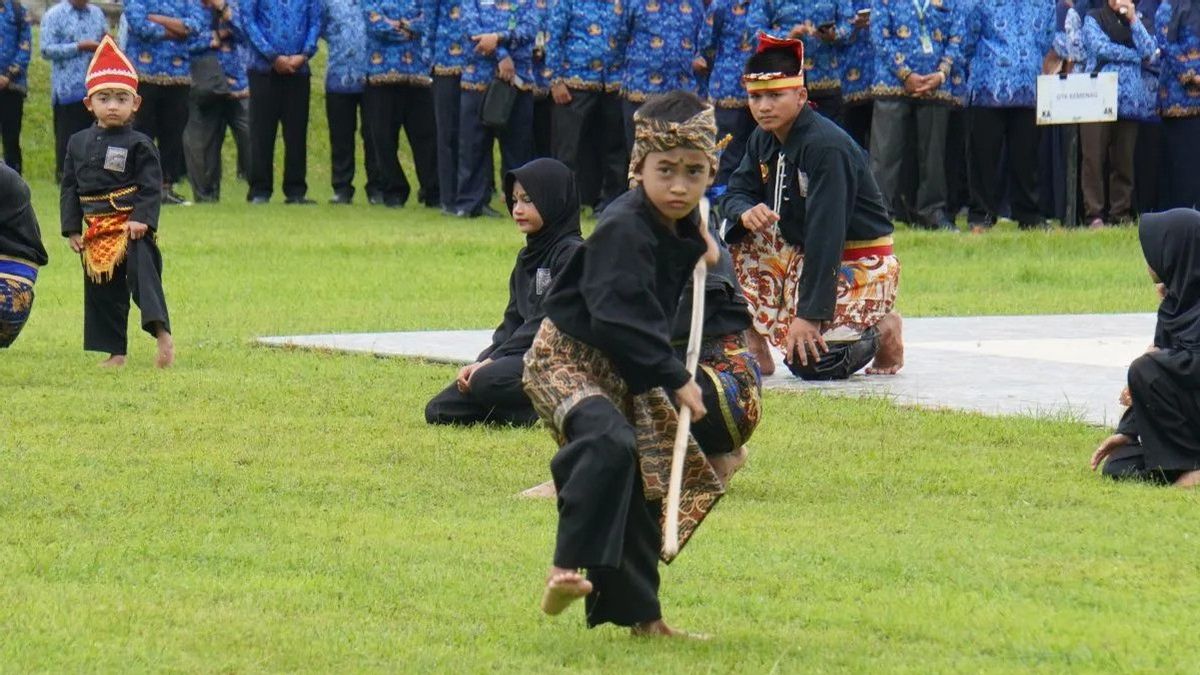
(777, 79)
(110, 69)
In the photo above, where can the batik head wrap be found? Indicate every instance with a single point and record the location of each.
(776, 80)
(651, 134)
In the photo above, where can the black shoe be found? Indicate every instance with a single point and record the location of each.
(447, 211)
(462, 214)
(393, 203)
(488, 212)
(1038, 224)
(173, 198)
(342, 198)
(259, 200)
(375, 199)
(302, 201)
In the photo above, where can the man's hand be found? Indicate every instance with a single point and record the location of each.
(1127, 11)
(699, 64)
(914, 83)
(802, 30)
(87, 45)
(827, 34)
(759, 217)
(76, 242)
(861, 21)
(927, 84)
(1161, 290)
(689, 396)
(486, 43)
(506, 70)
(561, 93)
(297, 62)
(1126, 397)
(4, 82)
(137, 230)
(803, 341)
(283, 65)
(1107, 447)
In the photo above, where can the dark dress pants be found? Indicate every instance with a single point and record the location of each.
(605, 524)
(12, 112)
(958, 191)
(204, 137)
(737, 124)
(344, 112)
(390, 108)
(279, 100)
(475, 146)
(592, 120)
(69, 119)
(543, 107)
(1167, 415)
(904, 127)
(1147, 164)
(628, 108)
(993, 130)
(1181, 145)
(496, 397)
(1108, 149)
(857, 118)
(447, 92)
(829, 103)
(163, 116)
(106, 305)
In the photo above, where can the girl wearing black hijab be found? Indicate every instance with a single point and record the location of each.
(1158, 439)
(544, 203)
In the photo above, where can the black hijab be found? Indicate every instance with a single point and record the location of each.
(1115, 26)
(1171, 244)
(1182, 12)
(551, 186)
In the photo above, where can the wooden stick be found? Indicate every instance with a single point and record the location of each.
(695, 337)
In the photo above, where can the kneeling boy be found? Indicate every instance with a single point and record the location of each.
(21, 254)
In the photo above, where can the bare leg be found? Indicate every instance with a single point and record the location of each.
(659, 628)
(890, 358)
(562, 588)
(113, 361)
(761, 351)
(1188, 480)
(727, 465)
(166, 347)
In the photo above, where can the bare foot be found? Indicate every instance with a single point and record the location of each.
(540, 491)
(890, 357)
(761, 351)
(1188, 480)
(728, 464)
(166, 349)
(113, 361)
(562, 588)
(659, 628)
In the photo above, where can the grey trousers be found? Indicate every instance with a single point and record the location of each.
(904, 128)
(202, 140)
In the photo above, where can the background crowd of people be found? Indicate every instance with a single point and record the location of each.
(941, 92)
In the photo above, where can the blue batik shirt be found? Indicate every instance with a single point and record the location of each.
(916, 36)
(516, 22)
(1136, 93)
(541, 36)
(276, 28)
(581, 49)
(158, 58)
(397, 55)
(344, 27)
(16, 39)
(822, 60)
(230, 49)
(1177, 96)
(63, 27)
(658, 40)
(858, 61)
(450, 45)
(1011, 40)
(727, 39)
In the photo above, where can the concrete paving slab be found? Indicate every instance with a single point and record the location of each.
(1046, 366)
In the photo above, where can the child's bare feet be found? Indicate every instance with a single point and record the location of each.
(166, 349)
(728, 464)
(113, 361)
(761, 351)
(659, 628)
(890, 357)
(1188, 480)
(562, 588)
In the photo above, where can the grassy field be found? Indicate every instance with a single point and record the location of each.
(257, 510)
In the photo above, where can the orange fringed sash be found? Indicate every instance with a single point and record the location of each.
(104, 245)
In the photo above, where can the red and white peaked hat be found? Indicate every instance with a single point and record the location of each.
(110, 69)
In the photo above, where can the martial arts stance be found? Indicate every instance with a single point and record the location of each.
(21, 254)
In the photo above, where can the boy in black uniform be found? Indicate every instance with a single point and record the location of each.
(600, 368)
(809, 232)
(112, 180)
(21, 254)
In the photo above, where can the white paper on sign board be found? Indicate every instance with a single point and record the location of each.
(1076, 98)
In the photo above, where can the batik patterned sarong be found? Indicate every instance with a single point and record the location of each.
(769, 269)
(561, 372)
(737, 383)
(16, 297)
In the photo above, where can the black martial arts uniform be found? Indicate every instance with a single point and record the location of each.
(21, 254)
(496, 395)
(100, 167)
(618, 294)
(1164, 384)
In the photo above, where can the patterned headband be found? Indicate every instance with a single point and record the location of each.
(654, 135)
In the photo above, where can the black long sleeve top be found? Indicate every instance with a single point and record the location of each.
(821, 186)
(620, 291)
(527, 290)
(20, 235)
(102, 161)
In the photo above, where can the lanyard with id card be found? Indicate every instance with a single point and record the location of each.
(922, 6)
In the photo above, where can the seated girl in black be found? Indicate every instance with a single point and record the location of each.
(544, 202)
(1158, 439)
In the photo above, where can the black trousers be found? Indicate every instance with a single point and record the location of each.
(857, 120)
(279, 100)
(390, 108)
(12, 112)
(163, 117)
(496, 397)
(1167, 415)
(475, 145)
(344, 112)
(605, 524)
(1147, 165)
(543, 107)
(592, 121)
(828, 103)
(1181, 145)
(992, 131)
(841, 361)
(69, 119)
(907, 127)
(958, 189)
(106, 305)
(447, 92)
(628, 108)
(738, 124)
(204, 137)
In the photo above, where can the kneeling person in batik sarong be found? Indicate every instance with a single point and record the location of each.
(21, 254)
(809, 233)
(600, 368)
(544, 203)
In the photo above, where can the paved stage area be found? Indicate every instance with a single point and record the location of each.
(1059, 365)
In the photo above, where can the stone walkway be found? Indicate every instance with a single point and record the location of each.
(1053, 366)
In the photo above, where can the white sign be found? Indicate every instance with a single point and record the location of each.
(1076, 98)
